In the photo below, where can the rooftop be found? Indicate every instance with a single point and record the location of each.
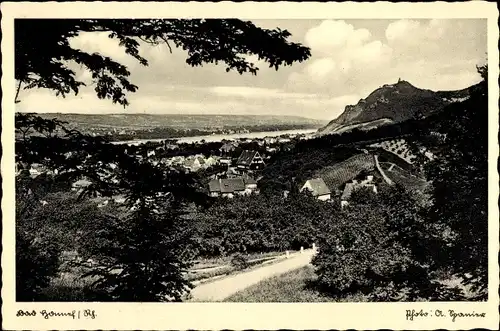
(230, 185)
(318, 186)
(246, 157)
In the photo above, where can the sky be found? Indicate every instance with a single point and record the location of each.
(349, 59)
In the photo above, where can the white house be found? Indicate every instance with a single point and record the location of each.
(318, 188)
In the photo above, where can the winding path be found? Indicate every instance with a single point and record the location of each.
(220, 289)
(379, 168)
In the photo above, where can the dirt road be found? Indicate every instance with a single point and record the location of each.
(222, 288)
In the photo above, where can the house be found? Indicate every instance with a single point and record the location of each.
(227, 148)
(271, 149)
(354, 185)
(318, 188)
(192, 164)
(36, 169)
(346, 194)
(170, 144)
(211, 161)
(225, 160)
(232, 172)
(229, 187)
(214, 187)
(201, 161)
(178, 160)
(250, 183)
(250, 160)
(270, 140)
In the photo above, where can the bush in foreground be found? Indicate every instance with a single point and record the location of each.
(379, 247)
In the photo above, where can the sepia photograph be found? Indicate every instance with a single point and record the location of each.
(251, 160)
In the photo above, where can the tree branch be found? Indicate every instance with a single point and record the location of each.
(166, 41)
(16, 100)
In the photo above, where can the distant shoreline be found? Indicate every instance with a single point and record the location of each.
(220, 137)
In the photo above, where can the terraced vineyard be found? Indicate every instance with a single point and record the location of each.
(339, 173)
(403, 177)
(398, 147)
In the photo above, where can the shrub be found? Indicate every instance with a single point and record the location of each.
(375, 246)
(239, 262)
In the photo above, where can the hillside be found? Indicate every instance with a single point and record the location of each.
(363, 126)
(178, 121)
(398, 147)
(394, 102)
(338, 174)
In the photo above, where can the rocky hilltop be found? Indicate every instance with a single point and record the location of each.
(393, 103)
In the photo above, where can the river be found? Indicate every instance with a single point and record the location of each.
(220, 137)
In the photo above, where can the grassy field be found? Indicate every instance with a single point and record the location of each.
(289, 287)
(295, 286)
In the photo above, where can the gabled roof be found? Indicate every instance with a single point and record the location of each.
(246, 157)
(214, 185)
(250, 181)
(230, 185)
(318, 186)
(227, 185)
(190, 162)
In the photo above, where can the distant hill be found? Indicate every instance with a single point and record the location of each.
(393, 103)
(179, 121)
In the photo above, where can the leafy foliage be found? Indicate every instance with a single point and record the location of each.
(259, 223)
(43, 62)
(374, 246)
(141, 257)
